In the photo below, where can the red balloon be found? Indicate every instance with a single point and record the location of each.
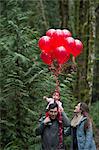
(79, 44)
(61, 55)
(69, 44)
(58, 34)
(66, 33)
(78, 48)
(45, 44)
(50, 32)
(46, 58)
(57, 38)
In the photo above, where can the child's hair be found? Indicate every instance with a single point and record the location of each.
(85, 111)
(56, 91)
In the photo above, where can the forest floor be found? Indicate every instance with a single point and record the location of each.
(97, 137)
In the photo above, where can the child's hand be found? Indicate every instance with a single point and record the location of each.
(44, 97)
(61, 109)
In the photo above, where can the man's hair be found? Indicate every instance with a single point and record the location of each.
(53, 105)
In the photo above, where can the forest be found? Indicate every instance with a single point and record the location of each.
(25, 78)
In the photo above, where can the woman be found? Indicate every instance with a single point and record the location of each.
(81, 129)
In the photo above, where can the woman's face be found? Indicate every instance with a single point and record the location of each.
(77, 108)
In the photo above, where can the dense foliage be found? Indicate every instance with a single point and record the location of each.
(25, 79)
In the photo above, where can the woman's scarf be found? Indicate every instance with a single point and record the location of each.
(76, 119)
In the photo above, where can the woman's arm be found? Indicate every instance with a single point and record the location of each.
(66, 121)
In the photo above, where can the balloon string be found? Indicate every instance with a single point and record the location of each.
(56, 71)
(74, 60)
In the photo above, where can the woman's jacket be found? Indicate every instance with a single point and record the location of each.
(85, 139)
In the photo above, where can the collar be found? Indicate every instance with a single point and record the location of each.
(77, 119)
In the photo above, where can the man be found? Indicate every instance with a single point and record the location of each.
(51, 129)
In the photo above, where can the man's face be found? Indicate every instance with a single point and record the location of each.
(53, 113)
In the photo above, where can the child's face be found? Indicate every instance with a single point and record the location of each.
(56, 96)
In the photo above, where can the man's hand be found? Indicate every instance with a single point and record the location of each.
(47, 120)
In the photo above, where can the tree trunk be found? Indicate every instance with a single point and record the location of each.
(95, 90)
(71, 12)
(91, 56)
(44, 15)
(63, 13)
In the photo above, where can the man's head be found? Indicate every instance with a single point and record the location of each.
(53, 110)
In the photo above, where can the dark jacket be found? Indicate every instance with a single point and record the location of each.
(50, 133)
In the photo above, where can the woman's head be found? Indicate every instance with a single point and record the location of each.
(81, 108)
(84, 108)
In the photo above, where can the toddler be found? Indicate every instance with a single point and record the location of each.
(55, 98)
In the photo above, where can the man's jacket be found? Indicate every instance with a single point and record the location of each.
(50, 133)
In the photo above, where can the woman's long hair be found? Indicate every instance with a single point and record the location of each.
(85, 112)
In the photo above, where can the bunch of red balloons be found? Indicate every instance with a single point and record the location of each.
(58, 45)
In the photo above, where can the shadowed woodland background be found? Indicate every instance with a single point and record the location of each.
(25, 79)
